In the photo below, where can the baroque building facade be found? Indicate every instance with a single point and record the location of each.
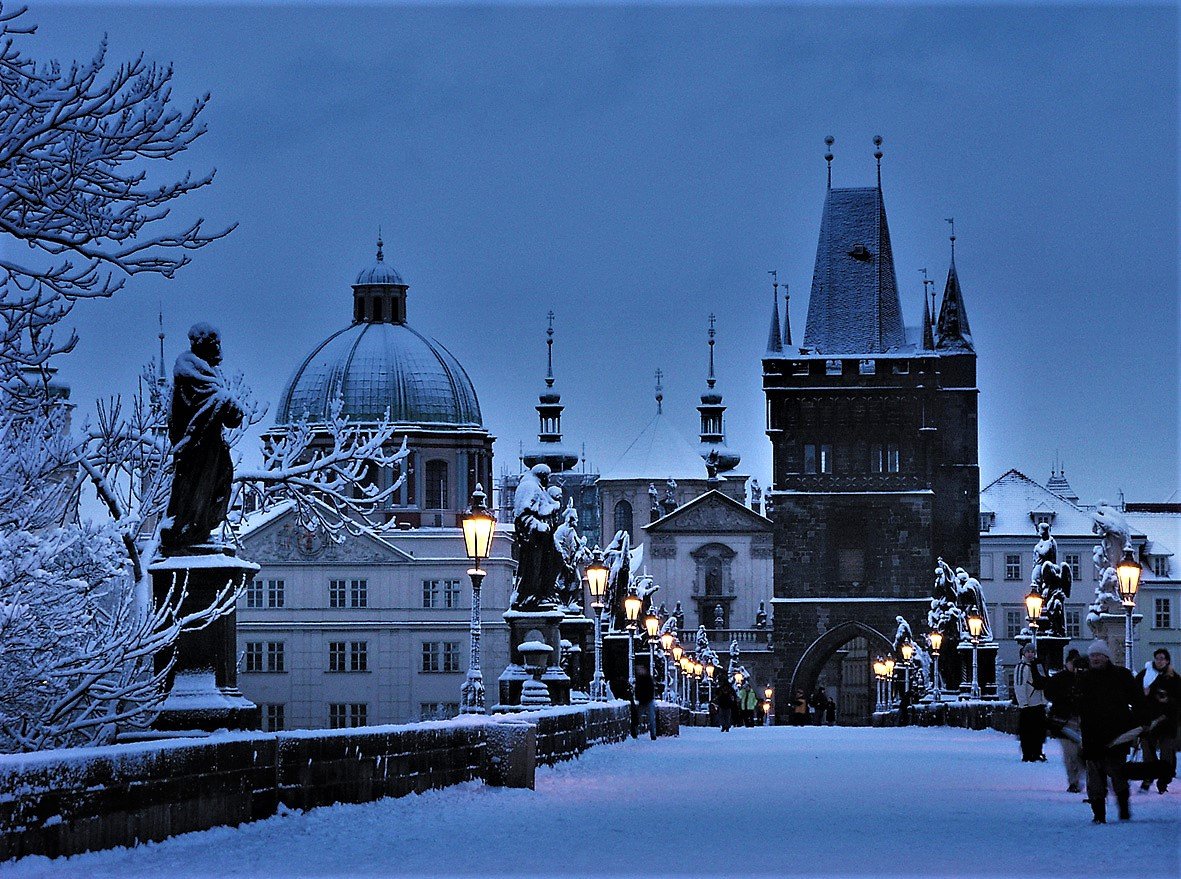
(874, 439)
(375, 629)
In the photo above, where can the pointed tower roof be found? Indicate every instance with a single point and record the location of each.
(1058, 484)
(952, 332)
(854, 306)
(713, 412)
(549, 418)
(774, 340)
(928, 332)
(786, 316)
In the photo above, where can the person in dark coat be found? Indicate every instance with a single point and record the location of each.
(727, 702)
(1162, 692)
(646, 697)
(1110, 703)
(1062, 690)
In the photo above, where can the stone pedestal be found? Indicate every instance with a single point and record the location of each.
(1050, 649)
(526, 626)
(202, 687)
(580, 660)
(987, 678)
(1112, 628)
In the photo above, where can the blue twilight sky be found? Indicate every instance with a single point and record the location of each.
(634, 168)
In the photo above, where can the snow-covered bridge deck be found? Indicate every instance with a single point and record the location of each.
(783, 801)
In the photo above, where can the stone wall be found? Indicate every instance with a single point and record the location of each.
(1001, 716)
(63, 802)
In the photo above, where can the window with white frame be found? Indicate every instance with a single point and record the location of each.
(255, 593)
(348, 593)
(273, 717)
(274, 656)
(440, 593)
(336, 654)
(1074, 562)
(1074, 623)
(1012, 566)
(440, 656)
(1162, 613)
(276, 593)
(347, 714)
(264, 656)
(358, 656)
(1160, 565)
(1014, 622)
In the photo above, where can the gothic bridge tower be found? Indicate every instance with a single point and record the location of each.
(875, 470)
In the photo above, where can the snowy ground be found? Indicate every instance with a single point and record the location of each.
(799, 802)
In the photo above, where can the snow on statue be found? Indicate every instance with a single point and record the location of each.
(1115, 532)
(575, 555)
(535, 516)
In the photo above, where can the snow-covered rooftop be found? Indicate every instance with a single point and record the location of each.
(659, 452)
(1013, 496)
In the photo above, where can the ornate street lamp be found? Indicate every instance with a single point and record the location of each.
(686, 664)
(879, 675)
(767, 704)
(596, 578)
(631, 610)
(479, 526)
(1128, 571)
(698, 671)
(907, 651)
(738, 678)
(1033, 612)
(652, 627)
(935, 639)
(975, 629)
(888, 662)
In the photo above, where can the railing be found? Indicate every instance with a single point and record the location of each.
(745, 637)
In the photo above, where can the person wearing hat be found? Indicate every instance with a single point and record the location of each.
(1062, 691)
(1110, 702)
(1162, 691)
(1031, 718)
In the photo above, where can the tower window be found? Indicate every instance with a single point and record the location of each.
(817, 458)
(868, 367)
(832, 367)
(623, 517)
(436, 485)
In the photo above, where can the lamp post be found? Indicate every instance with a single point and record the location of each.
(631, 610)
(888, 662)
(767, 704)
(479, 525)
(975, 628)
(709, 680)
(935, 639)
(666, 644)
(907, 650)
(652, 627)
(596, 578)
(678, 653)
(879, 676)
(1033, 612)
(1128, 571)
(686, 665)
(698, 671)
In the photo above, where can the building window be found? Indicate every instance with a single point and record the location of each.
(348, 656)
(264, 656)
(623, 518)
(1040, 519)
(1162, 613)
(1012, 567)
(273, 717)
(436, 485)
(440, 656)
(901, 367)
(1074, 623)
(254, 594)
(986, 566)
(347, 714)
(987, 521)
(867, 367)
(799, 367)
(276, 593)
(1014, 622)
(437, 710)
(885, 459)
(440, 593)
(832, 367)
(817, 458)
(336, 656)
(1160, 565)
(348, 593)
(358, 656)
(1074, 562)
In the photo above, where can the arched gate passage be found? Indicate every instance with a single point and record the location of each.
(821, 651)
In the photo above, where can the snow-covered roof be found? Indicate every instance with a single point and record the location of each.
(740, 512)
(1014, 496)
(854, 306)
(1163, 530)
(659, 452)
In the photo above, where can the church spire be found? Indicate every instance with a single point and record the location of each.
(774, 342)
(786, 316)
(549, 417)
(952, 331)
(713, 412)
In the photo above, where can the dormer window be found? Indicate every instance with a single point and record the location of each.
(861, 253)
(799, 367)
(868, 367)
(1042, 517)
(987, 521)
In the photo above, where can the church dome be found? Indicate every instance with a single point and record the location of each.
(381, 363)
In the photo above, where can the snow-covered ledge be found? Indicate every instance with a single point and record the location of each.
(969, 714)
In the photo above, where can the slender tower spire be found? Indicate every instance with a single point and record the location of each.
(659, 392)
(713, 415)
(774, 341)
(928, 333)
(786, 316)
(550, 450)
(877, 154)
(952, 330)
(828, 142)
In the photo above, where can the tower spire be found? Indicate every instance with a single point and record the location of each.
(828, 142)
(659, 392)
(710, 380)
(380, 245)
(774, 341)
(877, 154)
(786, 315)
(549, 350)
(549, 417)
(712, 411)
(951, 222)
(952, 330)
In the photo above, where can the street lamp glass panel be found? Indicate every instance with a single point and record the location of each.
(1128, 571)
(698, 668)
(652, 624)
(1033, 606)
(767, 692)
(889, 664)
(631, 607)
(709, 670)
(907, 651)
(686, 664)
(879, 668)
(596, 578)
(678, 652)
(975, 624)
(936, 639)
(478, 527)
(666, 641)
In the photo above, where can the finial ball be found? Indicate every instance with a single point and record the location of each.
(829, 141)
(877, 140)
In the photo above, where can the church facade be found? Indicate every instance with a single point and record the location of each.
(875, 469)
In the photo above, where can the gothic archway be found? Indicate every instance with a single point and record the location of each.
(823, 650)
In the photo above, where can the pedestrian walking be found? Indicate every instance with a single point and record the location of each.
(799, 709)
(1109, 703)
(1162, 693)
(646, 698)
(748, 701)
(1062, 720)
(1031, 718)
(819, 703)
(727, 702)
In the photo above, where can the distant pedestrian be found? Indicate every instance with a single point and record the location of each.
(1031, 718)
(1062, 691)
(727, 701)
(1162, 691)
(819, 703)
(1109, 702)
(748, 700)
(799, 709)
(646, 698)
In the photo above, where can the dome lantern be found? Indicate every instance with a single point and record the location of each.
(379, 293)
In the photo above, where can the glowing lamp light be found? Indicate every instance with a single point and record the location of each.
(666, 641)
(678, 652)
(767, 707)
(698, 669)
(907, 651)
(652, 624)
(975, 624)
(1128, 571)
(478, 527)
(889, 666)
(879, 668)
(686, 664)
(631, 607)
(596, 576)
(709, 670)
(738, 678)
(936, 640)
(1033, 606)
(768, 693)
